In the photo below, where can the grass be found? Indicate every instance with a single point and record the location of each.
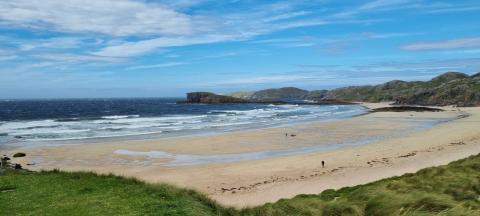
(447, 190)
(80, 193)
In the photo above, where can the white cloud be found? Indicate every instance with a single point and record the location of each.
(67, 57)
(453, 9)
(372, 6)
(163, 65)
(57, 43)
(375, 35)
(287, 16)
(7, 57)
(399, 67)
(382, 3)
(230, 34)
(262, 80)
(144, 46)
(160, 23)
(110, 17)
(448, 44)
(219, 55)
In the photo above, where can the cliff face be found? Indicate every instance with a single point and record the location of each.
(211, 98)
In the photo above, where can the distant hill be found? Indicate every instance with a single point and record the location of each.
(280, 93)
(476, 76)
(241, 95)
(451, 88)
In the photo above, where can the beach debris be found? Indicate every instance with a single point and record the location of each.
(293, 135)
(407, 109)
(408, 155)
(4, 161)
(385, 161)
(458, 143)
(19, 154)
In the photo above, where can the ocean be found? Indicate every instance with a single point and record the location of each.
(37, 122)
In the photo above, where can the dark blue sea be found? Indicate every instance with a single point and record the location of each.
(30, 121)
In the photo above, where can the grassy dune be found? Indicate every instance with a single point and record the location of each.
(447, 190)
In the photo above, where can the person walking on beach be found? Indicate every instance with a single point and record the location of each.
(323, 164)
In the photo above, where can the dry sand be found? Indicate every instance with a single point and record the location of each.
(394, 150)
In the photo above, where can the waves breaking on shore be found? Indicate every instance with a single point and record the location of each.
(211, 118)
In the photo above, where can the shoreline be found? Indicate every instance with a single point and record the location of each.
(160, 135)
(254, 182)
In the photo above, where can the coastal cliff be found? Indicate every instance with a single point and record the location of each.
(211, 98)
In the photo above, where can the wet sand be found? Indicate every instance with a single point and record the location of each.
(398, 142)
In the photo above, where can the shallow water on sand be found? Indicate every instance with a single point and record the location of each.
(415, 125)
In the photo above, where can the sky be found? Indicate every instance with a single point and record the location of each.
(165, 48)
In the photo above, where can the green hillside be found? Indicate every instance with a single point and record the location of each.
(280, 93)
(451, 88)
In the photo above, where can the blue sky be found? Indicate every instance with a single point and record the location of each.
(130, 48)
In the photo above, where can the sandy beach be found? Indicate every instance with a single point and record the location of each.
(247, 168)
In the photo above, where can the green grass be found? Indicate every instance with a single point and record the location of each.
(64, 193)
(447, 190)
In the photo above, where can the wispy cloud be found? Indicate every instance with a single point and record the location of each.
(372, 6)
(454, 9)
(51, 43)
(261, 80)
(303, 41)
(164, 24)
(7, 57)
(144, 46)
(392, 68)
(69, 57)
(376, 35)
(287, 16)
(163, 65)
(447, 44)
(332, 42)
(219, 55)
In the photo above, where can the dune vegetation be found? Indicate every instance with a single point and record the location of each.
(453, 189)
